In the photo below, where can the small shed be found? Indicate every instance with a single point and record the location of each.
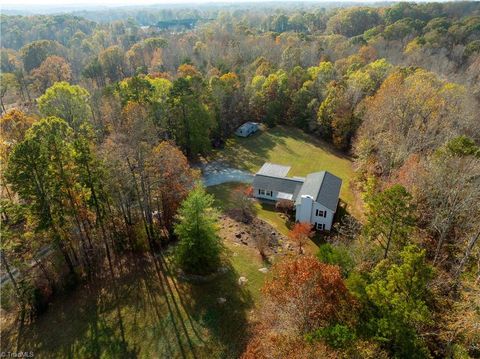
(247, 129)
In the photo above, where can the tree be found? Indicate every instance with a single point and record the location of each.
(42, 170)
(336, 255)
(94, 71)
(304, 294)
(53, 69)
(413, 112)
(172, 179)
(34, 53)
(68, 102)
(400, 294)
(300, 234)
(450, 203)
(199, 248)
(335, 117)
(242, 198)
(13, 126)
(227, 97)
(136, 89)
(146, 53)
(389, 219)
(8, 82)
(353, 21)
(112, 62)
(189, 118)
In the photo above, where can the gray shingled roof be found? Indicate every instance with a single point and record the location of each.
(272, 169)
(324, 187)
(279, 184)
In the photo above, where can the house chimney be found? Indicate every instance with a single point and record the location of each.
(306, 204)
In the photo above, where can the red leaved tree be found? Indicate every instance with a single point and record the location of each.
(302, 296)
(300, 234)
(306, 294)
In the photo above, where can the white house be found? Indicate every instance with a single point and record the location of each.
(315, 197)
(247, 129)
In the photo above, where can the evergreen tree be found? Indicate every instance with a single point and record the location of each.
(199, 248)
(399, 293)
(390, 219)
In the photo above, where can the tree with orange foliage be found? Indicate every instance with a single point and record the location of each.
(303, 295)
(300, 234)
(186, 70)
(53, 69)
(172, 180)
(306, 294)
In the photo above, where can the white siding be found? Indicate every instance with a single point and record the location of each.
(306, 212)
(273, 197)
(325, 220)
(303, 211)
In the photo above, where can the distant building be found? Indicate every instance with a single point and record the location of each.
(314, 197)
(177, 24)
(247, 129)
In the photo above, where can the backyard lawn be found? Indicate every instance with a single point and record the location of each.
(286, 146)
(155, 315)
(292, 147)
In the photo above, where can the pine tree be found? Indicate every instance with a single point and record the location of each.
(199, 248)
(390, 219)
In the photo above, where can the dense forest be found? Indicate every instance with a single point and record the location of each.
(105, 116)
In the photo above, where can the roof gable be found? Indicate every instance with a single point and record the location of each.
(324, 187)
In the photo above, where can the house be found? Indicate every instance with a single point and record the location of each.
(314, 197)
(247, 129)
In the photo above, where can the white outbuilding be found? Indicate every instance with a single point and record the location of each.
(247, 129)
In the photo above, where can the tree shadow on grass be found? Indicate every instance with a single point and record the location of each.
(76, 327)
(150, 316)
(227, 322)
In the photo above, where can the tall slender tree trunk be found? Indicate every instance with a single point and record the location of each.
(9, 272)
(466, 256)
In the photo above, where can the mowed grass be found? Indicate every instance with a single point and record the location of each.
(154, 315)
(291, 147)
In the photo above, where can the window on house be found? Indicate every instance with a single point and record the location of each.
(319, 213)
(321, 226)
(261, 192)
(270, 193)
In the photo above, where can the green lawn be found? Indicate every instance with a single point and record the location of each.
(292, 147)
(286, 146)
(161, 317)
(224, 201)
